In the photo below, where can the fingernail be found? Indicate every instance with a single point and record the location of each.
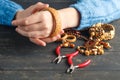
(47, 5)
(26, 22)
(13, 22)
(43, 45)
(16, 29)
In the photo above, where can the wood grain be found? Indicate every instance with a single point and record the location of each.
(22, 60)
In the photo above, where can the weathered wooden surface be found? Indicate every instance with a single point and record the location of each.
(22, 60)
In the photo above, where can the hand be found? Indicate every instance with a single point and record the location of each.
(38, 25)
(42, 42)
(26, 13)
(67, 22)
(30, 10)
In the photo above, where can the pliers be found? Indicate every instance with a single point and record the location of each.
(69, 58)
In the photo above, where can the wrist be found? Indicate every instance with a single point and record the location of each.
(70, 17)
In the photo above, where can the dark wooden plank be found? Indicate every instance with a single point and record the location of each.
(22, 60)
(52, 75)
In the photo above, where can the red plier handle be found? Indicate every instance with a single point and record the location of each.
(81, 65)
(84, 64)
(59, 57)
(70, 56)
(58, 50)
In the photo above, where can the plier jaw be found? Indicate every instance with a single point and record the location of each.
(71, 69)
(58, 59)
(81, 65)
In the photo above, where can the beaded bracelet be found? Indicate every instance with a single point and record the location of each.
(56, 21)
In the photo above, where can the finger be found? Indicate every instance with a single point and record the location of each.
(37, 41)
(33, 34)
(62, 31)
(39, 7)
(20, 22)
(22, 32)
(33, 18)
(32, 27)
(48, 40)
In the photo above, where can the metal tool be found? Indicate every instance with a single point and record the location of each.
(69, 58)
